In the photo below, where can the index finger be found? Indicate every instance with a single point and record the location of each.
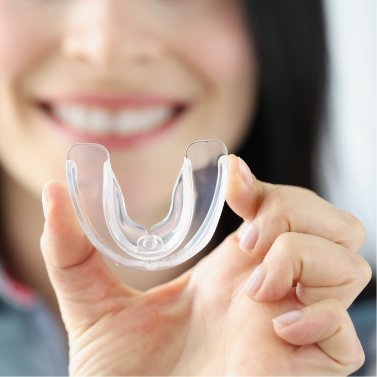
(77, 272)
(271, 210)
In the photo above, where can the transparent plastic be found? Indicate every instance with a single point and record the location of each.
(197, 202)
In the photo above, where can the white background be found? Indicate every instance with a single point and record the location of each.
(347, 167)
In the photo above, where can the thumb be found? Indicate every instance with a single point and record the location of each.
(245, 192)
(84, 286)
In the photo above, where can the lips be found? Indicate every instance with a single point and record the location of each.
(111, 121)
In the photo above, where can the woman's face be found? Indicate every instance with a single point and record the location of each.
(145, 78)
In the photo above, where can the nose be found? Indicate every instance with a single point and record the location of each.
(108, 32)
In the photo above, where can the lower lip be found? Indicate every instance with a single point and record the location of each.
(114, 141)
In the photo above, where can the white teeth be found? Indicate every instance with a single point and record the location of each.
(75, 116)
(102, 122)
(99, 121)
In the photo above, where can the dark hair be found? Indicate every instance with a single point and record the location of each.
(290, 42)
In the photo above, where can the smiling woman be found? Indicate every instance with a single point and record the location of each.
(124, 80)
(145, 79)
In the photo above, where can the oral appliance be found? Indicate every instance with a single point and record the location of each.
(197, 201)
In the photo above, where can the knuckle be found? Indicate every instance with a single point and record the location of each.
(282, 196)
(283, 256)
(284, 245)
(357, 230)
(359, 359)
(335, 310)
(285, 199)
(279, 199)
(285, 192)
(363, 270)
(354, 360)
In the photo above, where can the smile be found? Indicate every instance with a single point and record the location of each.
(127, 122)
(112, 122)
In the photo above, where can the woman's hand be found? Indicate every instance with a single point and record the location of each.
(288, 318)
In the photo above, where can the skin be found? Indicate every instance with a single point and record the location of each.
(194, 320)
(203, 323)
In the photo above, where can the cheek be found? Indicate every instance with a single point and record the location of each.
(220, 49)
(23, 35)
(15, 48)
(221, 60)
(24, 39)
(224, 61)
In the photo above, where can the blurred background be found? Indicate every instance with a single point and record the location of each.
(347, 166)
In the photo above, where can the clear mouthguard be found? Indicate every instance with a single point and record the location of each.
(197, 202)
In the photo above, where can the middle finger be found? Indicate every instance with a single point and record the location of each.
(317, 267)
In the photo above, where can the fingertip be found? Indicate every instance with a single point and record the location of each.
(55, 196)
(240, 172)
(53, 188)
(284, 320)
(245, 173)
(59, 209)
(62, 237)
(255, 281)
(233, 163)
(240, 194)
(266, 284)
(249, 238)
(312, 324)
(294, 328)
(326, 325)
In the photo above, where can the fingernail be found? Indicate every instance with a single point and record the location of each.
(287, 319)
(44, 203)
(245, 172)
(249, 238)
(255, 280)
